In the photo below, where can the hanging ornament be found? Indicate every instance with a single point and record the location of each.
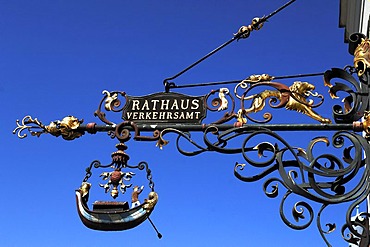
(116, 215)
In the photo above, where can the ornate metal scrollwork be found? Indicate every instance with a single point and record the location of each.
(111, 102)
(357, 100)
(221, 104)
(315, 173)
(362, 57)
(310, 173)
(67, 128)
(361, 225)
(292, 98)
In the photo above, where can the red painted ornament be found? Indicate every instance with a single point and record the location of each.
(116, 177)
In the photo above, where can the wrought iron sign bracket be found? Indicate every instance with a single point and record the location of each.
(245, 127)
(164, 113)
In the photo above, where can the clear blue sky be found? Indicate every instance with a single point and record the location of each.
(56, 57)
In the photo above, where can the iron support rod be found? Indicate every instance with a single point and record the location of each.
(237, 36)
(166, 81)
(279, 9)
(223, 127)
(173, 85)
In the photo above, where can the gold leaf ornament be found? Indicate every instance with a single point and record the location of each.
(362, 57)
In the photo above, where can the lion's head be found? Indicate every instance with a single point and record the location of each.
(302, 90)
(302, 87)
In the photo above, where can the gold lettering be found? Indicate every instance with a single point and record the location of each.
(186, 106)
(146, 105)
(135, 104)
(189, 115)
(194, 104)
(175, 105)
(170, 109)
(165, 103)
(155, 101)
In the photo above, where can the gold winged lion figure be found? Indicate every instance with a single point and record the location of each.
(292, 98)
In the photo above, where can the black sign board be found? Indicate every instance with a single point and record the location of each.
(165, 108)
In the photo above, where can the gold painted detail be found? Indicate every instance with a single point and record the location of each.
(224, 103)
(151, 201)
(84, 189)
(258, 78)
(295, 100)
(245, 31)
(110, 101)
(362, 57)
(29, 124)
(114, 180)
(161, 143)
(329, 85)
(366, 123)
(240, 117)
(67, 128)
(244, 84)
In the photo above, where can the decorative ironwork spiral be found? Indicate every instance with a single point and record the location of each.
(221, 103)
(112, 103)
(355, 103)
(309, 173)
